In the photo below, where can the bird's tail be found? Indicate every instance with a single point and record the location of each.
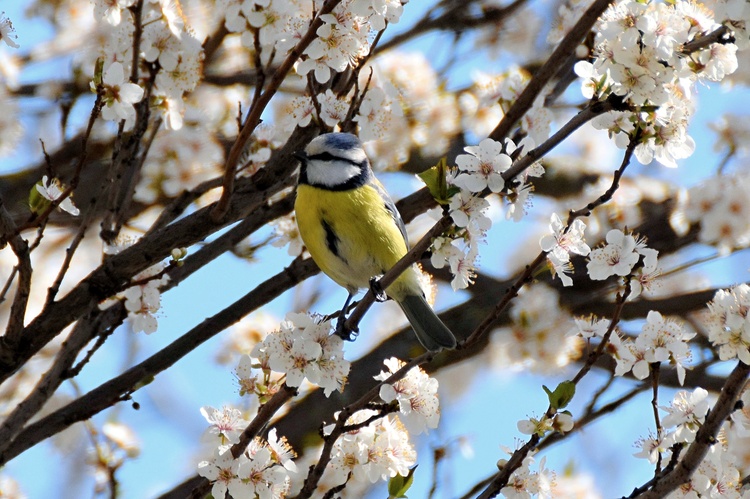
(430, 330)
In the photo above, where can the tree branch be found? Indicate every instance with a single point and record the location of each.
(549, 69)
(704, 438)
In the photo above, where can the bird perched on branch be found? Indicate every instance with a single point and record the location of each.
(354, 232)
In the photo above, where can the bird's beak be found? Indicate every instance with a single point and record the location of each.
(301, 156)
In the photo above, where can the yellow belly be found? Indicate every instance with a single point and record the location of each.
(352, 237)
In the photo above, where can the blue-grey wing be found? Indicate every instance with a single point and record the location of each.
(391, 207)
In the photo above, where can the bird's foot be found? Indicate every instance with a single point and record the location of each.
(377, 289)
(343, 332)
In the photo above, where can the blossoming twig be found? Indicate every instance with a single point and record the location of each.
(253, 117)
(704, 438)
(549, 68)
(340, 426)
(265, 413)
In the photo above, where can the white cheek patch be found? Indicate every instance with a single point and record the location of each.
(354, 155)
(330, 173)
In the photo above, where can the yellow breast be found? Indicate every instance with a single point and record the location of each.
(351, 236)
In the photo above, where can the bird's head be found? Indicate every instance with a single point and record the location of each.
(334, 161)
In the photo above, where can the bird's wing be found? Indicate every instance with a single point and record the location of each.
(391, 207)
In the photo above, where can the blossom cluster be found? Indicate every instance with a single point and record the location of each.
(729, 324)
(178, 160)
(561, 243)
(113, 446)
(619, 256)
(720, 205)
(376, 446)
(304, 348)
(479, 170)
(535, 339)
(638, 56)
(660, 340)
(485, 102)
(261, 470)
(165, 43)
(271, 28)
(416, 395)
(424, 114)
(403, 107)
(719, 473)
(372, 453)
(525, 483)
(142, 299)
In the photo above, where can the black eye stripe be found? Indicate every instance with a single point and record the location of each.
(327, 156)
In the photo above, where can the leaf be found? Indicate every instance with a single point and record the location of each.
(435, 180)
(37, 203)
(399, 484)
(562, 395)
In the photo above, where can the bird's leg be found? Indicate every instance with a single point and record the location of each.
(377, 289)
(340, 323)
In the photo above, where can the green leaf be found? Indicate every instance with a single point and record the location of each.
(37, 203)
(562, 395)
(435, 180)
(98, 71)
(399, 484)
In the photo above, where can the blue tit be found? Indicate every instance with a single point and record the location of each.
(354, 232)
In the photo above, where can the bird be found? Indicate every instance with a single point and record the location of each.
(354, 232)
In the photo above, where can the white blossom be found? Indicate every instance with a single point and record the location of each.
(728, 323)
(119, 94)
(617, 257)
(7, 32)
(482, 168)
(303, 348)
(51, 190)
(416, 394)
(226, 423)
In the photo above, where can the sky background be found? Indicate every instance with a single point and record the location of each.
(485, 414)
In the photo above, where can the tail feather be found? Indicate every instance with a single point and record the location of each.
(430, 330)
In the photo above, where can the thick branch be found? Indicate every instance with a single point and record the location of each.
(119, 388)
(114, 275)
(21, 249)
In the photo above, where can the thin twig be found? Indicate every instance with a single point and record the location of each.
(502, 477)
(316, 472)
(655, 370)
(456, 19)
(549, 69)
(253, 118)
(720, 35)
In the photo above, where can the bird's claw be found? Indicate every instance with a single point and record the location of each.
(377, 289)
(343, 332)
